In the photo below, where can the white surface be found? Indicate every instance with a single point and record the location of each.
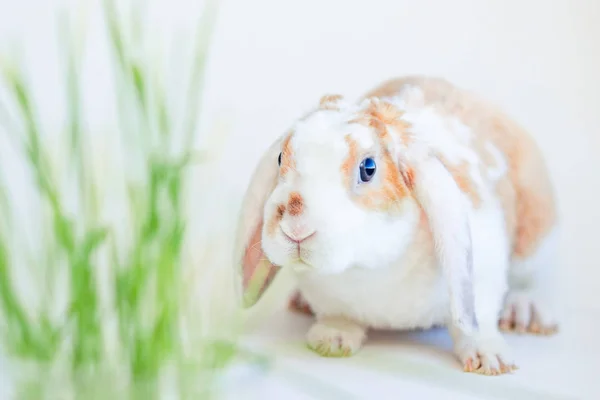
(272, 59)
(401, 364)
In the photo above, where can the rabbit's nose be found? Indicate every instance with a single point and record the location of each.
(298, 233)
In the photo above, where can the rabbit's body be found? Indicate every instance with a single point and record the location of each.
(477, 144)
(469, 217)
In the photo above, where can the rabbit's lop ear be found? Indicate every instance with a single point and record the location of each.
(447, 213)
(255, 269)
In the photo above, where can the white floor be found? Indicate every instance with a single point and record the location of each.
(420, 365)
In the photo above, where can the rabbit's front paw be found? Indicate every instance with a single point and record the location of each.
(336, 337)
(484, 355)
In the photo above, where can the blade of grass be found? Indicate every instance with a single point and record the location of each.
(17, 86)
(153, 254)
(33, 342)
(198, 69)
(76, 120)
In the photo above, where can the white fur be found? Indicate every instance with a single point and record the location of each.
(446, 209)
(347, 236)
(408, 294)
(413, 292)
(532, 294)
(375, 270)
(490, 262)
(494, 174)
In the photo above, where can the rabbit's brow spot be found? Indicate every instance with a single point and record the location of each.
(369, 121)
(348, 164)
(287, 156)
(380, 115)
(295, 204)
(385, 112)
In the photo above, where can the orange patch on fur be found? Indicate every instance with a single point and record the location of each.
(287, 157)
(329, 102)
(526, 193)
(295, 204)
(380, 115)
(378, 125)
(460, 174)
(391, 116)
(385, 112)
(409, 178)
(388, 188)
(539, 218)
(386, 193)
(395, 184)
(276, 219)
(349, 163)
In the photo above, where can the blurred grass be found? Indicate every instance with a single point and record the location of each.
(142, 292)
(105, 291)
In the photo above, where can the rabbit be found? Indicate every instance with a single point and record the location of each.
(419, 205)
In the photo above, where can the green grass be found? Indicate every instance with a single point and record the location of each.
(123, 277)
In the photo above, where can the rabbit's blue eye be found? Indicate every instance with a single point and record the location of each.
(367, 169)
(279, 159)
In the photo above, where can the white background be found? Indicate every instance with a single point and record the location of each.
(271, 60)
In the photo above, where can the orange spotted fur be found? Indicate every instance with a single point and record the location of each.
(526, 193)
(287, 156)
(390, 189)
(329, 102)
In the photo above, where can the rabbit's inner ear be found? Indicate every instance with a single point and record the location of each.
(258, 271)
